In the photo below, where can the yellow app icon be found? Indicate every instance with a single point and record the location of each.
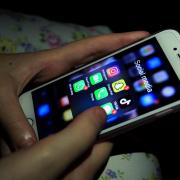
(67, 115)
(119, 85)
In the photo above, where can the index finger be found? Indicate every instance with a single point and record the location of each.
(59, 61)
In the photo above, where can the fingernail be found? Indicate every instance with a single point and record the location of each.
(25, 143)
(29, 142)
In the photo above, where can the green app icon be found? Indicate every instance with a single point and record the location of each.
(96, 78)
(101, 93)
(108, 107)
(79, 86)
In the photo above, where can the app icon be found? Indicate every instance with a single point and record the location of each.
(132, 71)
(119, 85)
(64, 101)
(96, 78)
(79, 86)
(147, 50)
(160, 76)
(125, 101)
(131, 114)
(108, 107)
(101, 93)
(43, 110)
(129, 58)
(168, 91)
(148, 100)
(113, 71)
(153, 63)
(67, 115)
(112, 119)
(139, 85)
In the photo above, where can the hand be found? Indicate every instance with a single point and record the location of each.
(54, 154)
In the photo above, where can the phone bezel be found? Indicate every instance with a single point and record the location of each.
(168, 40)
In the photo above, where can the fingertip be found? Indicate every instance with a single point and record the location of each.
(91, 120)
(100, 112)
(26, 144)
(25, 141)
(100, 115)
(138, 34)
(145, 33)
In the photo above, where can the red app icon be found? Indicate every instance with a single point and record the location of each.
(113, 71)
(64, 101)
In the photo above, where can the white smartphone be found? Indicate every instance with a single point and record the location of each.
(133, 85)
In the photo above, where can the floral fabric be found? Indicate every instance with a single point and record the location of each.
(134, 166)
(23, 33)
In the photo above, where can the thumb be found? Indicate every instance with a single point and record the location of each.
(78, 137)
(57, 151)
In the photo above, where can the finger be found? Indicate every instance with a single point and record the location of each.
(81, 134)
(53, 155)
(92, 164)
(4, 148)
(13, 121)
(45, 65)
(58, 61)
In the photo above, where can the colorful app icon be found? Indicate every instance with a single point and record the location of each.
(96, 78)
(79, 86)
(67, 115)
(125, 101)
(113, 71)
(43, 110)
(108, 107)
(129, 58)
(132, 71)
(101, 93)
(147, 50)
(153, 63)
(119, 85)
(139, 85)
(64, 101)
(160, 76)
(149, 100)
(168, 91)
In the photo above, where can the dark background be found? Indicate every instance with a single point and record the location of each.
(162, 136)
(126, 15)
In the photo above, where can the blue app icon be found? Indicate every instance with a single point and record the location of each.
(168, 91)
(129, 58)
(147, 50)
(160, 76)
(153, 63)
(111, 119)
(43, 110)
(148, 100)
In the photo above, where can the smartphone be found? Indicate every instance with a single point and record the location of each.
(134, 85)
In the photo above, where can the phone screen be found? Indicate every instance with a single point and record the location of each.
(125, 85)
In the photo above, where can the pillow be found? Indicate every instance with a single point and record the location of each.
(25, 33)
(134, 166)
